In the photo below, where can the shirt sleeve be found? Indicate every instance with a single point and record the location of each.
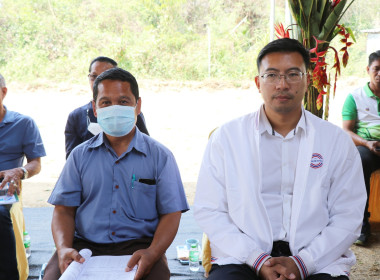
(346, 202)
(349, 111)
(68, 189)
(170, 193)
(32, 142)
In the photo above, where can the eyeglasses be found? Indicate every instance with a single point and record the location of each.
(291, 77)
(92, 77)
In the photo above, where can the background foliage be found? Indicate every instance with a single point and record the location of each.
(154, 39)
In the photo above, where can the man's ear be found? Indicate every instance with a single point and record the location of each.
(309, 81)
(257, 82)
(138, 106)
(4, 90)
(368, 70)
(94, 108)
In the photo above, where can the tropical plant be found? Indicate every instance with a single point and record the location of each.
(317, 25)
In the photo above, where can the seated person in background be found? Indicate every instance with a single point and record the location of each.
(361, 119)
(19, 138)
(120, 193)
(280, 192)
(82, 124)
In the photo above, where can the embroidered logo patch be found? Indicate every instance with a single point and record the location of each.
(316, 161)
(367, 109)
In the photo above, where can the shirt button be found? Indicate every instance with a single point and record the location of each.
(114, 211)
(117, 186)
(113, 233)
(117, 162)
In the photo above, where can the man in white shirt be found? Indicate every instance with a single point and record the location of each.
(280, 192)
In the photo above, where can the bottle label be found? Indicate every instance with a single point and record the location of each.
(194, 256)
(27, 244)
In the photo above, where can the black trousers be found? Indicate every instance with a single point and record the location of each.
(371, 163)
(244, 272)
(8, 261)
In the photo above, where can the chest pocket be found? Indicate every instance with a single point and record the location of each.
(144, 201)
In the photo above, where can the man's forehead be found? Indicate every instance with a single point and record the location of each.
(375, 63)
(107, 87)
(101, 65)
(274, 60)
(109, 82)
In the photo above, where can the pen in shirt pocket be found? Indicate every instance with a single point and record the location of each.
(143, 181)
(133, 179)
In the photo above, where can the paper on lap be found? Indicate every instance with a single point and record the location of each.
(99, 267)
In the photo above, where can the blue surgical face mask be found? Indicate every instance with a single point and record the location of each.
(116, 120)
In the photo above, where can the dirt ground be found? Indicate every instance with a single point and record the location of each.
(179, 115)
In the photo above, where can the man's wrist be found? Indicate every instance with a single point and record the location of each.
(365, 143)
(24, 173)
(155, 252)
(258, 263)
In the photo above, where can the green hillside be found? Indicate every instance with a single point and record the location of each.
(155, 39)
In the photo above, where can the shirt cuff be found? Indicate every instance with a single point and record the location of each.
(257, 259)
(304, 263)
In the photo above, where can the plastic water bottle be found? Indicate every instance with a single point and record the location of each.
(194, 257)
(28, 250)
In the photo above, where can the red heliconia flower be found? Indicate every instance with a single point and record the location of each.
(334, 3)
(320, 101)
(337, 68)
(346, 35)
(281, 32)
(319, 77)
(345, 58)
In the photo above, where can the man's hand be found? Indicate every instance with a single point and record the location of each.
(67, 256)
(144, 259)
(13, 177)
(372, 145)
(280, 268)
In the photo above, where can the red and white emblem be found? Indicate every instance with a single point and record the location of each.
(316, 161)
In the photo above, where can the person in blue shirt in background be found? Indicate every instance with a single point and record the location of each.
(120, 193)
(19, 137)
(81, 124)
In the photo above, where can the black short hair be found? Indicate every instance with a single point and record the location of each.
(284, 45)
(373, 56)
(116, 74)
(102, 59)
(2, 82)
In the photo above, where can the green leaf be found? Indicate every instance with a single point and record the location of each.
(331, 22)
(307, 6)
(320, 11)
(349, 30)
(297, 11)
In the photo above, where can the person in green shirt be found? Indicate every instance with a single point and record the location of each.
(361, 119)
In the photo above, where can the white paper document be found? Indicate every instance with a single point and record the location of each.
(99, 267)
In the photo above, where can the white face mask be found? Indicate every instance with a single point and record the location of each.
(94, 128)
(116, 120)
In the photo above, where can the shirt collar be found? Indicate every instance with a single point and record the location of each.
(264, 124)
(368, 91)
(138, 142)
(8, 117)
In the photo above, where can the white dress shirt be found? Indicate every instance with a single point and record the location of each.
(278, 173)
